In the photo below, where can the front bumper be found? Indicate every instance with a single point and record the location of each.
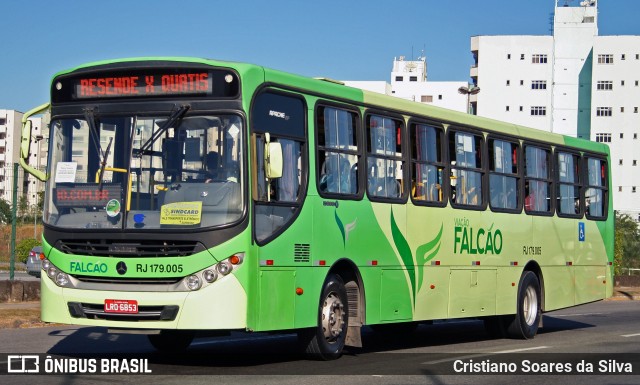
(219, 306)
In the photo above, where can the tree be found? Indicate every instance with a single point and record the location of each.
(627, 241)
(5, 212)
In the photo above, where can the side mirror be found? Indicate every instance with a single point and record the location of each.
(25, 140)
(272, 158)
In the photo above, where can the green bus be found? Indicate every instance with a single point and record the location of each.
(190, 196)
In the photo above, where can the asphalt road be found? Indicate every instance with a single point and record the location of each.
(604, 331)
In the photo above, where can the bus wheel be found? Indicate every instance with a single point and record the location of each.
(171, 341)
(526, 321)
(326, 341)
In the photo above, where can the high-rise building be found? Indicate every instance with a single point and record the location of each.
(573, 82)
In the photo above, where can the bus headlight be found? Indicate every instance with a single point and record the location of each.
(62, 279)
(210, 275)
(46, 264)
(193, 282)
(224, 267)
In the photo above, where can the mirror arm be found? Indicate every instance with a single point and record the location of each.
(26, 140)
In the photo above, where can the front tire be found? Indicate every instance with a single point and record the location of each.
(326, 341)
(525, 323)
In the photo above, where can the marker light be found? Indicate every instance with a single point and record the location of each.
(236, 259)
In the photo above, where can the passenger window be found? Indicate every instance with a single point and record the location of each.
(503, 175)
(537, 180)
(384, 158)
(337, 151)
(465, 151)
(427, 167)
(568, 190)
(596, 192)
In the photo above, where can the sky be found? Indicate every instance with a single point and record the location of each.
(339, 39)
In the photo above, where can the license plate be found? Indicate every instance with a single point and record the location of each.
(122, 306)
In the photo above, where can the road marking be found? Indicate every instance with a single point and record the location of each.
(573, 315)
(630, 335)
(471, 356)
(520, 350)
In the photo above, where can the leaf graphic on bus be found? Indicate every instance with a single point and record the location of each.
(341, 227)
(425, 253)
(405, 251)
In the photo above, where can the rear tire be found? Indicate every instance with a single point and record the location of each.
(171, 341)
(326, 341)
(524, 324)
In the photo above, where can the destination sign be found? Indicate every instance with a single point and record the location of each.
(145, 83)
(85, 194)
(149, 85)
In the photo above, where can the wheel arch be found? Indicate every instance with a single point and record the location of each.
(534, 267)
(354, 284)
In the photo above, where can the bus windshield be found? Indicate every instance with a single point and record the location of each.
(145, 172)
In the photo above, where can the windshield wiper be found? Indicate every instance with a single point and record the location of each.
(90, 117)
(173, 119)
(104, 162)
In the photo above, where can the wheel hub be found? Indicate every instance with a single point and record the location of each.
(332, 317)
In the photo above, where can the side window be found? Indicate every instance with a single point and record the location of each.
(337, 151)
(384, 158)
(278, 118)
(537, 180)
(568, 189)
(465, 152)
(427, 166)
(503, 175)
(596, 190)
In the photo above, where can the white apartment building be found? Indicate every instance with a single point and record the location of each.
(10, 131)
(409, 81)
(573, 82)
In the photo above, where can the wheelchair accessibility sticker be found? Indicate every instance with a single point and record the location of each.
(581, 234)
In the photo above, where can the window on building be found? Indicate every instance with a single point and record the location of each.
(604, 111)
(635, 110)
(622, 83)
(635, 163)
(538, 84)
(337, 151)
(623, 57)
(522, 82)
(635, 136)
(605, 59)
(427, 165)
(521, 56)
(521, 108)
(539, 59)
(637, 83)
(621, 109)
(384, 158)
(538, 111)
(621, 135)
(633, 189)
(426, 98)
(604, 85)
(619, 188)
(413, 78)
(399, 78)
(620, 163)
(603, 138)
(508, 56)
(507, 109)
(588, 19)
(508, 82)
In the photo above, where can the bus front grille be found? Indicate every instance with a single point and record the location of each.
(145, 313)
(133, 248)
